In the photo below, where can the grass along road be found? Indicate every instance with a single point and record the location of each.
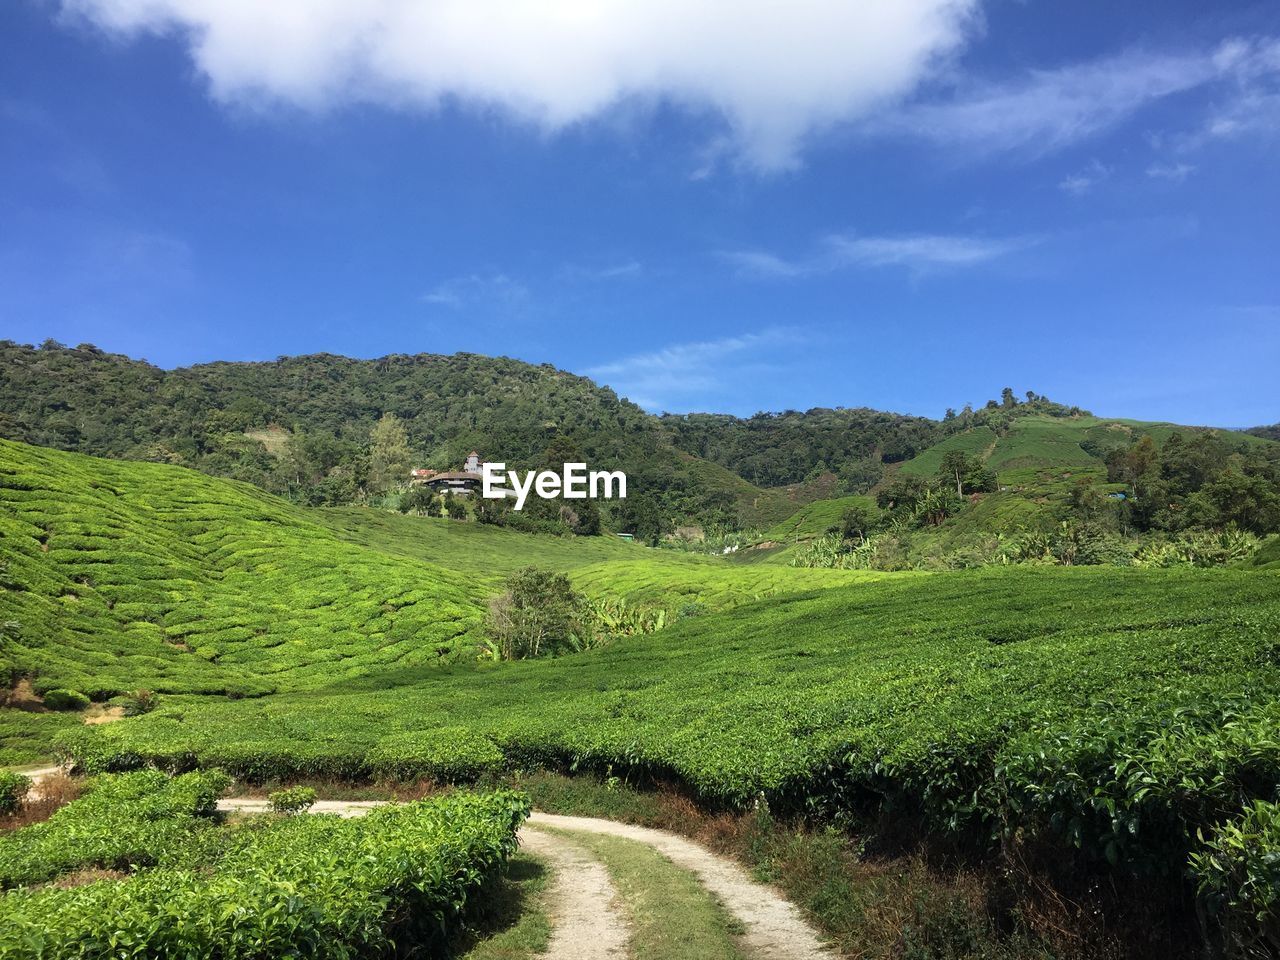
(590, 918)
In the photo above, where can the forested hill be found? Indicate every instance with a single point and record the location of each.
(771, 449)
(302, 426)
(857, 444)
(84, 399)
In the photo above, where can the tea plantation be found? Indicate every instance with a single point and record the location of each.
(117, 576)
(186, 887)
(1125, 719)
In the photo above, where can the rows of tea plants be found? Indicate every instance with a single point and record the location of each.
(122, 822)
(125, 575)
(1112, 712)
(116, 576)
(317, 886)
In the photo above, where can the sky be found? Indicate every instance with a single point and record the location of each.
(707, 205)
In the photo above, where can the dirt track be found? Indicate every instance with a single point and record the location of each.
(590, 923)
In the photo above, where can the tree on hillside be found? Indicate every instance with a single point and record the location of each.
(1235, 499)
(937, 504)
(859, 476)
(640, 515)
(858, 521)
(955, 465)
(389, 454)
(967, 474)
(538, 614)
(417, 500)
(903, 493)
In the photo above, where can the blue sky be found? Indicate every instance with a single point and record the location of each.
(905, 205)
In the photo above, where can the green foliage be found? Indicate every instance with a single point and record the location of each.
(454, 508)
(1199, 549)
(13, 790)
(389, 454)
(292, 800)
(835, 552)
(419, 500)
(398, 879)
(123, 822)
(1203, 480)
(538, 614)
(858, 521)
(328, 430)
(771, 449)
(138, 702)
(65, 700)
(614, 617)
(1238, 873)
(446, 755)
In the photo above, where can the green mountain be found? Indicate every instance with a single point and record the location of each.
(301, 425)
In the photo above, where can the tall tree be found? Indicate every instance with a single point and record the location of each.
(389, 454)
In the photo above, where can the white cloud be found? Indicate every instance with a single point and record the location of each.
(1176, 172)
(759, 263)
(623, 270)
(922, 251)
(494, 289)
(1082, 182)
(774, 72)
(1046, 110)
(658, 379)
(918, 252)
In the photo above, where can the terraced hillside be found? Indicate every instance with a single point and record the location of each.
(118, 576)
(1109, 716)
(1065, 443)
(1112, 716)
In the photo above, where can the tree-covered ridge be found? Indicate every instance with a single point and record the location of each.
(328, 430)
(1267, 433)
(83, 399)
(857, 444)
(771, 449)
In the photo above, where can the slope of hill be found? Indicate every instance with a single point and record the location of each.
(117, 576)
(301, 425)
(291, 641)
(1105, 719)
(773, 449)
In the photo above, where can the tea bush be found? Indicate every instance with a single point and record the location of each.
(1239, 877)
(13, 790)
(65, 700)
(292, 800)
(397, 880)
(122, 822)
(447, 755)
